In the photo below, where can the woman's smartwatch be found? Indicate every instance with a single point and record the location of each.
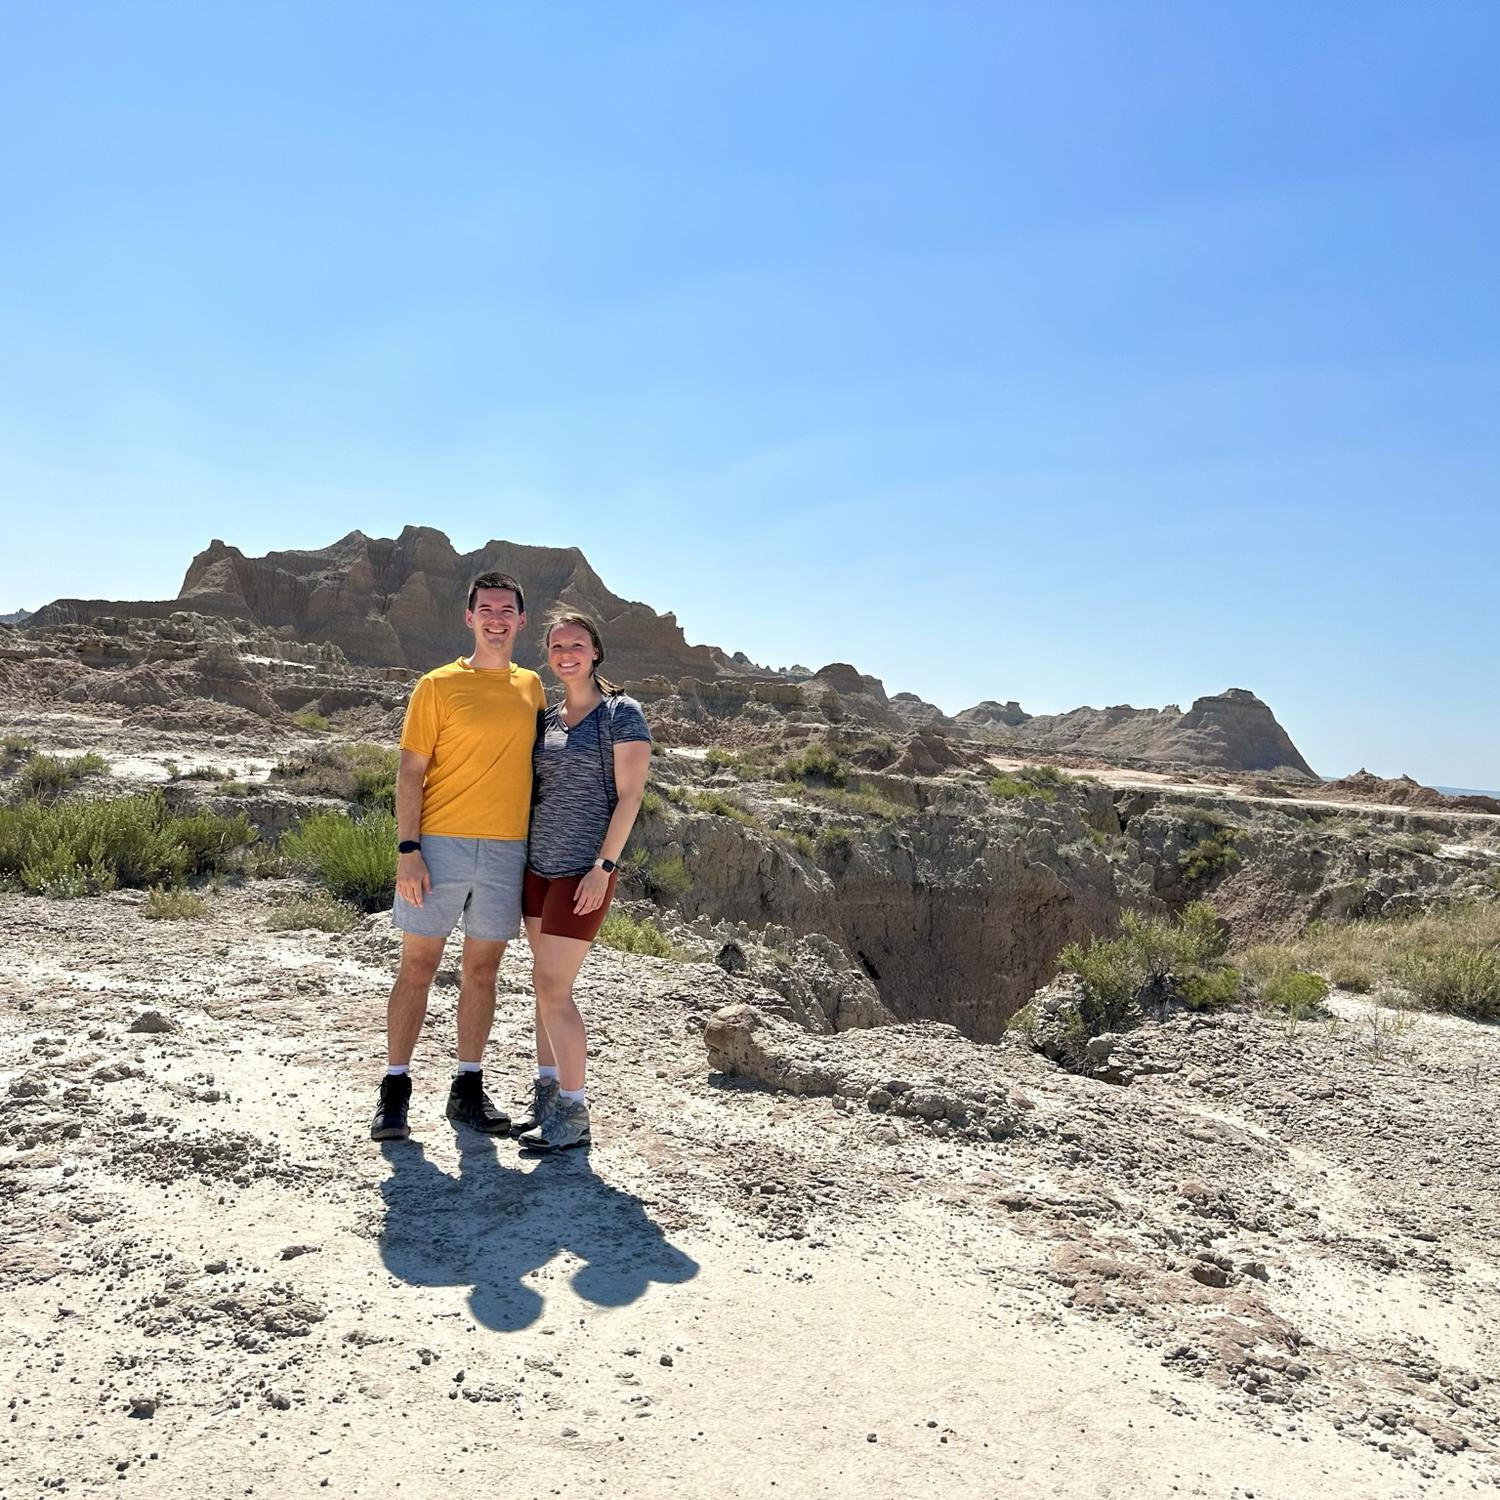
(607, 865)
(409, 846)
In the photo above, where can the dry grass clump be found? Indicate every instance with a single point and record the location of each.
(319, 912)
(174, 905)
(1446, 959)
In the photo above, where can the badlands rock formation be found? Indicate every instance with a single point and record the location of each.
(383, 603)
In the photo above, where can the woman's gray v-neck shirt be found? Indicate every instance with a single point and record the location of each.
(574, 776)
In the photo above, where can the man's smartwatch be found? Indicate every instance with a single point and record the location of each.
(607, 865)
(409, 846)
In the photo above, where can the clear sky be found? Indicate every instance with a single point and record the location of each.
(1071, 353)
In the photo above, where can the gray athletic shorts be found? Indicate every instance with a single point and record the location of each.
(476, 880)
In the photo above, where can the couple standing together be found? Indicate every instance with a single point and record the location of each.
(506, 809)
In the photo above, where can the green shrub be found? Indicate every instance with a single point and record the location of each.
(1203, 934)
(310, 718)
(354, 860)
(1006, 787)
(1295, 993)
(1112, 977)
(234, 788)
(81, 848)
(801, 842)
(1417, 842)
(667, 875)
(51, 775)
(175, 905)
(203, 773)
(651, 803)
(1351, 974)
(629, 935)
(319, 912)
(1211, 851)
(816, 764)
(1211, 989)
(13, 746)
(720, 759)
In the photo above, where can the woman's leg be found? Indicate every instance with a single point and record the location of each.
(545, 1057)
(555, 965)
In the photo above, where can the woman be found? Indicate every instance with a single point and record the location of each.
(592, 753)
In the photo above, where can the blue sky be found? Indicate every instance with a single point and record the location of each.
(1086, 353)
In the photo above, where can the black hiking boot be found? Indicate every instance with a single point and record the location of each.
(468, 1104)
(389, 1123)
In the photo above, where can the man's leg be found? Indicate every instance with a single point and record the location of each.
(404, 1014)
(468, 1104)
(407, 1007)
(476, 999)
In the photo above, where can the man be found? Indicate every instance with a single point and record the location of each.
(463, 799)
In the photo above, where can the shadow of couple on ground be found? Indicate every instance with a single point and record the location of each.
(495, 1222)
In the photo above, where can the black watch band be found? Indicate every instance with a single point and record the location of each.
(409, 846)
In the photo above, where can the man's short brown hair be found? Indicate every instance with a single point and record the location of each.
(497, 581)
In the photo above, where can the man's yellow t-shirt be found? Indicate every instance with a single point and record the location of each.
(478, 727)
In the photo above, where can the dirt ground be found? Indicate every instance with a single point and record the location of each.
(1269, 1269)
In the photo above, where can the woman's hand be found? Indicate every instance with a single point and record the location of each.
(412, 879)
(592, 890)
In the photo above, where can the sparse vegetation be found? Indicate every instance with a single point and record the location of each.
(1211, 849)
(1417, 841)
(14, 746)
(1447, 959)
(82, 848)
(355, 860)
(174, 905)
(816, 764)
(632, 935)
(310, 718)
(51, 775)
(362, 773)
(667, 876)
(1189, 948)
(801, 842)
(319, 911)
(836, 841)
(652, 805)
(855, 800)
(720, 806)
(1040, 783)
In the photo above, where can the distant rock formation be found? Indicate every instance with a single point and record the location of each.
(1230, 731)
(16, 617)
(1403, 791)
(400, 603)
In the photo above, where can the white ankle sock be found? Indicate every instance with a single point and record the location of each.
(542, 1071)
(574, 1096)
(396, 1072)
(464, 1067)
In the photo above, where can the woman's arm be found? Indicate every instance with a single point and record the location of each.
(632, 763)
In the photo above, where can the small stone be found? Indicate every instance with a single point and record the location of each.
(871, 1438)
(291, 1252)
(666, 1359)
(143, 1406)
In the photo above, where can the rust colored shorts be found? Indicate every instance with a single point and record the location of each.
(552, 901)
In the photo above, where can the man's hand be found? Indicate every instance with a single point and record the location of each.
(592, 890)
(412, 879)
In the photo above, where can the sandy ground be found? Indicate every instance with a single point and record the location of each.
(217, 1286)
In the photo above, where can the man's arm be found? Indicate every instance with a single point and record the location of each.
(412, 879)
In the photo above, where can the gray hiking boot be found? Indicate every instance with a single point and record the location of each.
(565, 1125)
(543, 1096)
